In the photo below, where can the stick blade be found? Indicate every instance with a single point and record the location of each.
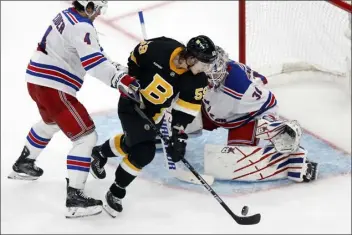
(248, 220)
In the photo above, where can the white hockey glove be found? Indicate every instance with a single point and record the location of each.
(127, 85)
(284, 135)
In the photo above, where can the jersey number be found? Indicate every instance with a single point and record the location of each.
(199, 93)
(87, 39)
(143, 47)
(158, 91)
(257, 93)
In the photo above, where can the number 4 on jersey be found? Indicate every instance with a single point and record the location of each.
(87, 38)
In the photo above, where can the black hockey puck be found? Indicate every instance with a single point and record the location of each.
(244, 211)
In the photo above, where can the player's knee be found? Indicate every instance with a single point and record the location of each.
(88, 140)
(45, 130)
(142, 154)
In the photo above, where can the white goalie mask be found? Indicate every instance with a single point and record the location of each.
(99, 6)
(218, 71)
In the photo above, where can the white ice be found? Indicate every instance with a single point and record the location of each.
(38, 207)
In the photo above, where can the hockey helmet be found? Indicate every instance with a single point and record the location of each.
(98, 6)
(202, 48)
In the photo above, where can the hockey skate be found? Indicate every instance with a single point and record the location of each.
(311, 172)
(98, 163)
(79, 205)
(25, 168)
(113, 205)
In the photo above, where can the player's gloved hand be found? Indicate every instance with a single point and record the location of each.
(127, 85)
(177, 144)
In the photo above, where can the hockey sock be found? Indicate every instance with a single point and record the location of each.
(38, 138)
(78, 160)
(114, 147)
(125, 173)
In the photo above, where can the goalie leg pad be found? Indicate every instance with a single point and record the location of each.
(247, 163)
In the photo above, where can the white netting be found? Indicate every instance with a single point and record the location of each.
(285, 36)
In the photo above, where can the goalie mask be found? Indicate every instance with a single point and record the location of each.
(217, 73)
(98, 6)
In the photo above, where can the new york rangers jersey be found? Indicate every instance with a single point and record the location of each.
(238, 100)
(68, 50)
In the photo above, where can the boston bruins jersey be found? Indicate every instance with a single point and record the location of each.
(151, 62)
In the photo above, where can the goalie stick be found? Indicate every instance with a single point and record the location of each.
(243, 220)
(171, 166)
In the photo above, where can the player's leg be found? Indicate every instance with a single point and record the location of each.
(140, 140)
(244, 135)
(37, 139)
(75, 122)
(113, 147)
(239, 162)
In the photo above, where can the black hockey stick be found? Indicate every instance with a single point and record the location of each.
(247, 220)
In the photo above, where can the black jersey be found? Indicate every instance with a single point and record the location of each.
(151, 62)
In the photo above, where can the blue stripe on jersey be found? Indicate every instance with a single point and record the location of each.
(230, 94)
(79, 17)
(95, 64)
(68, 18)
(53, 78)
(45, 66)
(90, 56)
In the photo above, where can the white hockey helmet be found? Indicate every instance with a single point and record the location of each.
(101, 6)
(218, 71)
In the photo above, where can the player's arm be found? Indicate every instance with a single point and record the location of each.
(93, 60)
(253, 75)
(189, 101)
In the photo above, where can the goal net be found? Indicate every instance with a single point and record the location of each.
(285, 36)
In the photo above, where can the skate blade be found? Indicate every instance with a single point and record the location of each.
(79, 212)
(110, 211)
(21, 176)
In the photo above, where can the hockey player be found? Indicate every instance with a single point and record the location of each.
(68, 50)
(165, 69)
(237, 100)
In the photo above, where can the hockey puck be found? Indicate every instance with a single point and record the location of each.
(244, 211)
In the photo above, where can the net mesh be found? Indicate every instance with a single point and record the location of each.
(285, 36)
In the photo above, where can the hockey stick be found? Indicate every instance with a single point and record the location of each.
(171, 166)
(246, 220)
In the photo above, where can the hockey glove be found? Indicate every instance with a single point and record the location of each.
(127, 85)
(177, 144)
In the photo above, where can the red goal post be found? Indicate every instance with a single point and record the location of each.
(284, 36)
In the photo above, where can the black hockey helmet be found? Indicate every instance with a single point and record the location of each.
(202, 48)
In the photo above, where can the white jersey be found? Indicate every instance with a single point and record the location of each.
(238, 100)
(69, 49)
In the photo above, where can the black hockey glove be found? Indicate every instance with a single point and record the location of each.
(177, 144)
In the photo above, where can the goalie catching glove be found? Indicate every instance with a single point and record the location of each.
(177, 144)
